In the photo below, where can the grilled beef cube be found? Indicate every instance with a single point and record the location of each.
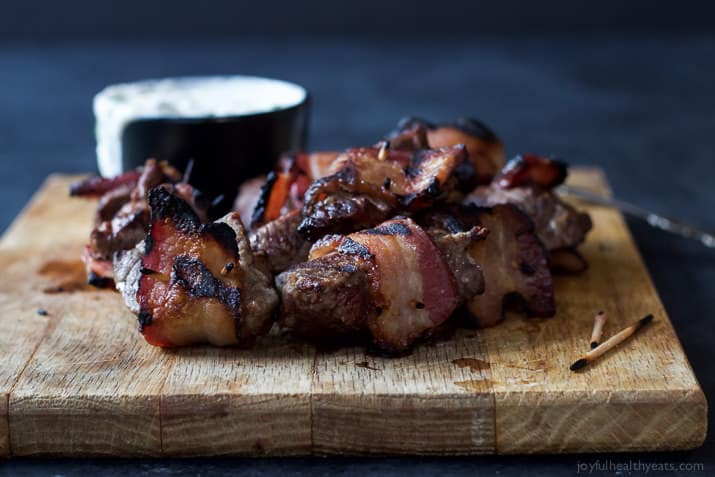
(455, 246)
(278, 243)
(199, 282)
(390, 282)
(327, 298)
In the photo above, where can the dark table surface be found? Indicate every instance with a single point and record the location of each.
(641, 107)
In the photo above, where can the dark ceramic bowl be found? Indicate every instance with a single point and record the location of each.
(226, 150)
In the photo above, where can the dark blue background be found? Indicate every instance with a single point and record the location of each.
(627, 87)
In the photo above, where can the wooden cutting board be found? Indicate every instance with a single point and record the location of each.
(82, 381)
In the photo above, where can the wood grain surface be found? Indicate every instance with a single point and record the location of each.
(80, 380)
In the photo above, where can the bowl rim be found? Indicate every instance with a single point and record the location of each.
(305, 100)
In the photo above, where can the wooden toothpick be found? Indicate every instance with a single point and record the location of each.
(610, 343)
(382, 153)
(598, 323)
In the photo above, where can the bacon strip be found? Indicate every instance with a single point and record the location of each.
(194, 282)
(413, 288)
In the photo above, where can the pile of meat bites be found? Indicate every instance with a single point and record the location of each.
(378, 245)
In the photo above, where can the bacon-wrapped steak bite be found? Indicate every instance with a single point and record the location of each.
(198, 282)
(122, 215)
(486, 151)
(370, 184)
(558, 225)
(512, 259)
(390, 281)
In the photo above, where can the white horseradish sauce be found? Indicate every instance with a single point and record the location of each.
(190, 97)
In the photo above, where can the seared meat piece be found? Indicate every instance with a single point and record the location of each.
(527, 182)
(326, 298)
(485, 150)
(96, 186)
(278, 243)
(122, 216)
(455, 246)
(390, 281)
(198, 282)
(511, 258)
(112, 202)
(369, 185)
(127, 272)
(411, 135)
(557, 224)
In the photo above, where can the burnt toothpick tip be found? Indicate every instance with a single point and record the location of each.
(610, 343)
(598, 321)
(382, 153)
(578, 364)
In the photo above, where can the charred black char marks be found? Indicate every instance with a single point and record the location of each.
(351, 247)
(393, 228)
(144, 317)
(193, 276)
(260, 210)
(165, 205)
(223, 234)
(99, 281)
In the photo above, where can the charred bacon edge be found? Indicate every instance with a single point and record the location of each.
(530, 169)
(97, 186)
(470, 126)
